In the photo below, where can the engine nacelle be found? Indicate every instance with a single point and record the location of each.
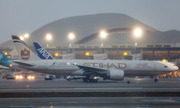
(116, 75)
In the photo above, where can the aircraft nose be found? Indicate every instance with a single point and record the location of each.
(176, 68)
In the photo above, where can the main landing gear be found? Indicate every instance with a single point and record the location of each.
(90, 80)
(128, 82)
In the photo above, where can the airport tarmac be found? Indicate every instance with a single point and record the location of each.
(92, 102)
(58, 87)
(62, 85)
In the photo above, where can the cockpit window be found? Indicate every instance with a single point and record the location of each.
(165, 66)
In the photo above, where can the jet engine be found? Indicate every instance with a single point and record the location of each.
(116, 75)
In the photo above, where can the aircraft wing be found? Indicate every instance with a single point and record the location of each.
(23, 63)
(93, 69)
(3, 67)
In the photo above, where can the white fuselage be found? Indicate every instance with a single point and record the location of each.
(130, 67)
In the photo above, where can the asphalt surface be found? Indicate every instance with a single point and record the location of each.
(92, 102)
(62, 85)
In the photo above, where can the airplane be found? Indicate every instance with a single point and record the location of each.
(90, 69)
(3, 67)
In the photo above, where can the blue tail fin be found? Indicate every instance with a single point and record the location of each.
(41, 52)
(4, 60)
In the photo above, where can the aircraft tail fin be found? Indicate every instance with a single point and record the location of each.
(41, 52)
(25, 53)
(4, 60)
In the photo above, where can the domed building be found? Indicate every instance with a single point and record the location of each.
(118, 30)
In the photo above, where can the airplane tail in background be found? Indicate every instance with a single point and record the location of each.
(41, 52)
(25, 53)
(4, 60)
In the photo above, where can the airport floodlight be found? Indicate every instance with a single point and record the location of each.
(103, 34)
(102, 44)
(71, 36)
(125, 53)
(135, 44)
(21, 37)
(87, 54)
(137, 32)
(48, 37)
(26, 35)
(56, 54)
(164, 60)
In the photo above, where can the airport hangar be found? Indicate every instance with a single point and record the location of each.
(119, 38)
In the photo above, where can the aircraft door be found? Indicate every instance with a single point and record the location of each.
(128, 67)
(45, 65)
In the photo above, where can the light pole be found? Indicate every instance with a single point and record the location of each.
(26, 35)
(137, 34)
(71, 37)
(103, 35)
(48, 38)
(21, 37)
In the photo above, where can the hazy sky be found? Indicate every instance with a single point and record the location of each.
(24, 16)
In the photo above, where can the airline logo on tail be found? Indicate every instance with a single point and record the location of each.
(25, 54)
(41, 52)
(1, 56)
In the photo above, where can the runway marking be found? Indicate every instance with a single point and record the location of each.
(71, 89)
(108, 88)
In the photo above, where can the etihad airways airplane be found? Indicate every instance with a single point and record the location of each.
(89, 69)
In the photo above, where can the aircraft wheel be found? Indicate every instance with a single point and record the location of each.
(128, 82)
(91, 80)
(68, 79)
(95, 80)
